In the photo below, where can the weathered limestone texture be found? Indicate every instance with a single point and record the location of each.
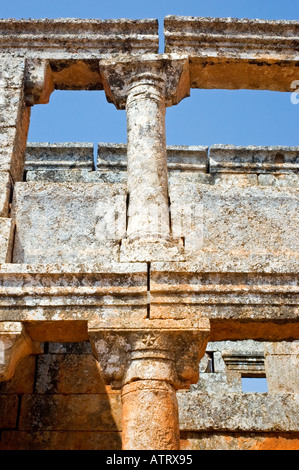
(149, 360)
(236, 53)
(138, 291)
(281, 364)
(145, 88)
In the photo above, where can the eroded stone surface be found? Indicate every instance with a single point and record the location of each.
(95, 217)
(153, 254)
(230, 53)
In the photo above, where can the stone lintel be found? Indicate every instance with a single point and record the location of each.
(253, 159)
(73, 37)
(113, 157)
(148, 349)
(51, 298)
(171, 71)
(236, 53)
(240, 305)
(15, 344)
(60, 156)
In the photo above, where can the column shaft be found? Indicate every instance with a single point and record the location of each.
(150, 416)
(147, 160)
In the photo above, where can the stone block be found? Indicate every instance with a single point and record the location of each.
(70, 348)
(70, 413)
(5, 193)
(71, 222)
(23, 380)
(12, 71)
(250, 220)
(282, 367)
(13, 143)
(11, 105)
(6, 239)
(238, 412)
(251, 159)
(69, 374)
(8, 411)
(62, 156)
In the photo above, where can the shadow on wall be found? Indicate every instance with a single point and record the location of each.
(58, 401)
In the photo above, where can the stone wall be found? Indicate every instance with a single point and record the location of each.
(136, 291)
(57, 398)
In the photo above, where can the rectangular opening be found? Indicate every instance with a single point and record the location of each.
(254, 385)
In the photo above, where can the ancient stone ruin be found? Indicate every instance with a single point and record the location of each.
(137, 292)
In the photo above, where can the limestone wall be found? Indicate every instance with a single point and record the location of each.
(57, 398)
(137, 290)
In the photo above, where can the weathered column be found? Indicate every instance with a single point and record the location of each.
(149, 360)
(145, 87)
(148, 215)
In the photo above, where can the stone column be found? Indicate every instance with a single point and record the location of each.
(149, 361)
(147, 185)
(145, 87)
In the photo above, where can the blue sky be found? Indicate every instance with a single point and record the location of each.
(209, 116)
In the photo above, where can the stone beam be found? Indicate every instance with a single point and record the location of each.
(255, 303)
(234, 53)
(149, 360)
(56, 301)
(81, 38)
(73, 47)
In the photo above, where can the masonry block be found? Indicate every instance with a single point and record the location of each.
(70, 413)
(8, 411)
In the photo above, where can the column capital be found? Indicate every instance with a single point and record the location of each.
(165, 350)
(169, 72)
(38, 82)
(15, 344)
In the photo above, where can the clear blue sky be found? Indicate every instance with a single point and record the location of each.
(207, 117)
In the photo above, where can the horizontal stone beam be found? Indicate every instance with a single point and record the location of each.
(240, 305)
(56, 302)
(238, 412)
(60, 156)
(77, 38)
(234, 53)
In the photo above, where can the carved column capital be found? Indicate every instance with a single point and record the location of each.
(38, 82)
(169, 72)
(15, 344)
(165, 350)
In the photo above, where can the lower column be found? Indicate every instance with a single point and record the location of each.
(149, 361)
(150, 416)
